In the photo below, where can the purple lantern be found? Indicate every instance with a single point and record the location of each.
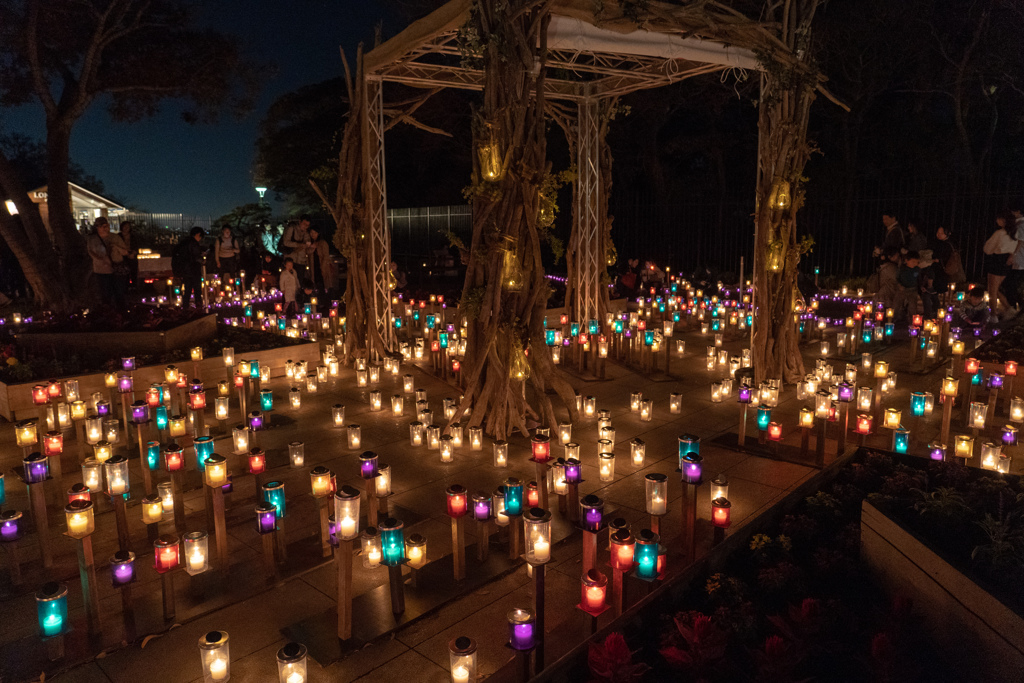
(368, 465)
(845, 392)
(266, 518)
(1009, 435)
(122, 568)
(255, 421)
(124, 384)
(37, 468)
(572, 471)
(591, 513)
(10, 526)
(140, 412)
(743, 394)
(693, 466)
(128, 364)
(481, 507)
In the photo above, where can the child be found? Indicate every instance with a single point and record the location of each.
(290, 287)
(973, 312)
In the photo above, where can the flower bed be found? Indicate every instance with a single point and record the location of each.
(793, 604)
(1007, 345)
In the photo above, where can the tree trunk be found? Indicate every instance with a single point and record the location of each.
(505, 293)
(69, 243)
(26, 235)
(784, 107)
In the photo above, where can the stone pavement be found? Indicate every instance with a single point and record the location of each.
(254, 612)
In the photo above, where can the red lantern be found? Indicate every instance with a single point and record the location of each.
(532, 495)
(721, 513)
(278, 307)
(622, 550)
(165, 554)
(239, 381)
(857, 315)
(864, 424)
(440, 298)
(53, 389)
(541, 449)
(918, 321)
(641, 325)
(563, 319)
(153, 397)
(435, 346)
(53, 443)
(775, 431)
(880, 316)
(182, 380)
(257, 461)
(457, 501)
(197, 400)
(594, 590)
(40, 395)
(971, 366)
(1010, 370)
(456, 366)
(174, 460)
(79, 492)
(333, 313)
(583, 339)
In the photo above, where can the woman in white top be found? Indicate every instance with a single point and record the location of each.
(226, 253)
(998, 248)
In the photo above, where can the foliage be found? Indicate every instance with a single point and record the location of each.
(246, 222)
(1005, 546)
(612, 661)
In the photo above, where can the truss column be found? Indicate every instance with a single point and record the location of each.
(587, 214)
(380, 230)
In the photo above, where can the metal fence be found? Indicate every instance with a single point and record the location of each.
(160, 229)
(416, 234)
(691, 232)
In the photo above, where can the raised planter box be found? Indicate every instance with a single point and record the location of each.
(118, 344)
(984, 637)
(16, 399)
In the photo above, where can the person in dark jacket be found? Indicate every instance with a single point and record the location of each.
(192, 274)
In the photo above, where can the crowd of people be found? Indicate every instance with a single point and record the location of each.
(914, 271)
(303, 269)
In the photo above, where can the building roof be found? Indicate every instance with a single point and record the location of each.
(80, 198)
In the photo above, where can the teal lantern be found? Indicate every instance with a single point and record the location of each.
(281, 323)
(764, 417)
(901, 440)
(889, 329)
(976, 378)
(688, 443)
(52, 609)
(513, 496)
(617, 327)
(866, 336)
(802, 327)
(204, 449)
(593, 326)
(247, 310)
(307, 309)
(416, 316)
(3, 490)
(161, 417)
(442, 339)
(398, 323)
(152, 456)
(648, 337)
(266, 400)
(273, 493)
(549, 337)
(716, 325)
(917, 403)
(392, 540)
(431, 321)
(645, 554)
(254, 369)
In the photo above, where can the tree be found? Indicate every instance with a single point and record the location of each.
(301, 136)
(132, 55)
(246, 222)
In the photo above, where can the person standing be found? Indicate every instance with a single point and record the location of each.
(225, 253)
(321, 267)
(296, 242)
(132, 258)
(1014, 283)
(894, 240)
(187, 263)
(102, 263)
(290, 287)
(999, 249)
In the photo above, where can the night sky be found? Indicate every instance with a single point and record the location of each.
(165, 165)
